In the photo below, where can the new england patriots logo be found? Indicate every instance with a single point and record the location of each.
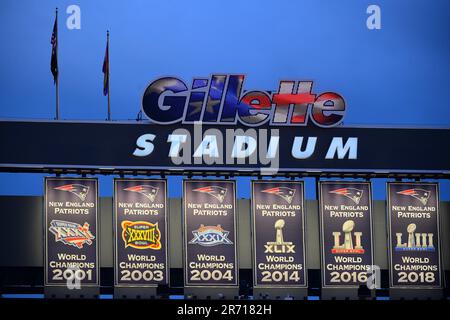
(146, 190)
(419, 194)
(351, 193)
(215, 191)
(79, 190)
(283, 192)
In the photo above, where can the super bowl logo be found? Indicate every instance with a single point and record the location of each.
(141, 235)
(279, 245)
(416, 241)
(70, 233)
(209, 236)
(348, 246)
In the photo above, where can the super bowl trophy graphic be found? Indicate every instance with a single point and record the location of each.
(416, 241)
(279, 246)
(347, 246)
(279, 225)
(410, 229)
(347, 229)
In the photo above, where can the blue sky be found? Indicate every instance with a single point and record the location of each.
(399, 75)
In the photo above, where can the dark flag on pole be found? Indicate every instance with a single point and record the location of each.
(54, 61)
(54, 42)
(106, 76)
(106, 69)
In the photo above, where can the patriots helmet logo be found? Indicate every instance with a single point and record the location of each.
(79, 190)
(283, 192)
(215, 191)
(146, 190)
(351, 193)
(419, 194)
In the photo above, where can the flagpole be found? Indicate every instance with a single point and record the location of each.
(109, 92)
(57, 77)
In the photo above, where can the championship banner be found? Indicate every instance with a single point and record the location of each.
(414, 239)
(141, 231)
(209, 217)
(346, 233)
(278, 234)
(71, 232)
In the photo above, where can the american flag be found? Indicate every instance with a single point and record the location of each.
(54, 42)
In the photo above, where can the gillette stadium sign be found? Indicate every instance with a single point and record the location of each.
(220, 99)
(215, 125)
